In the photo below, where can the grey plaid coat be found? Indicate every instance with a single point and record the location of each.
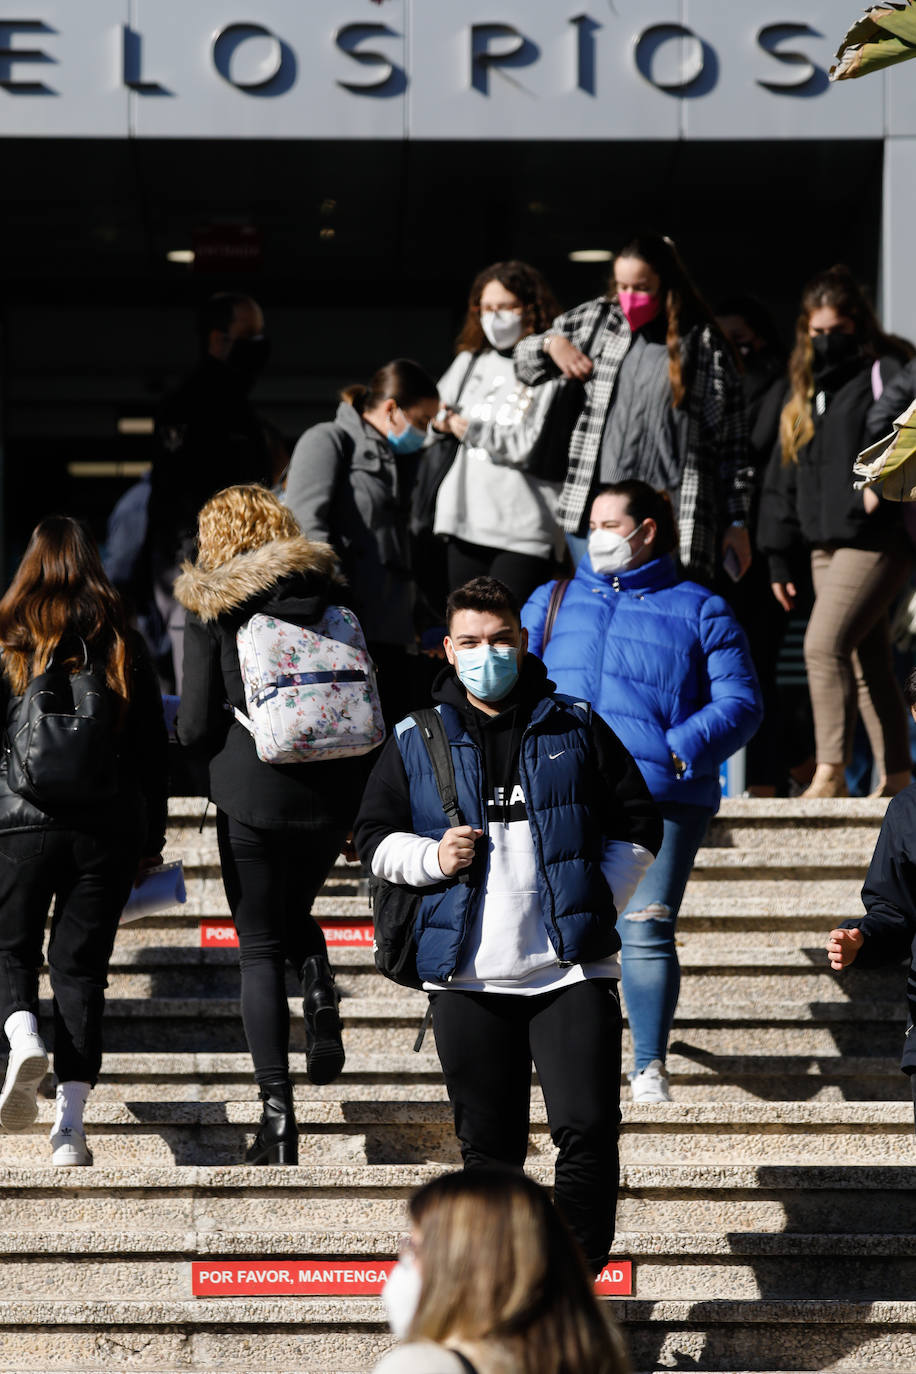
(716, 480)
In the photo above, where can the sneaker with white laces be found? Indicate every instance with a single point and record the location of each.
(27, 1066)
(651, 1083)
(69, 1148)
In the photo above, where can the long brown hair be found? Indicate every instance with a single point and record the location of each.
(498, 1265)
(838, 289)
(684, 306)
(539, 305)
(60, 590)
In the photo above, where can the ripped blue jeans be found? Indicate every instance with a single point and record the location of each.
(651, 972)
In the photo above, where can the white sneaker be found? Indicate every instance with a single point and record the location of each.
(651, 1084)
(28, 1064)
(69, 1147)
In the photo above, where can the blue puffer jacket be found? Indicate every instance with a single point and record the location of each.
(565, 820)
(664, 662)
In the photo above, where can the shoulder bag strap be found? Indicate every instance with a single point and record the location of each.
(432, 732)
(553, 609)
(463, 1361)
(467, 372)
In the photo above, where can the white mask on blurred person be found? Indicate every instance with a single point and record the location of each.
(503, 328)
(609, 551)
(401, 1295)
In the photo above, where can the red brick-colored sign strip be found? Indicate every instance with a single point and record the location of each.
(335, 1278)
(218, 932)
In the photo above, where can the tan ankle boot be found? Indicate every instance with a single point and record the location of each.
(829, 781)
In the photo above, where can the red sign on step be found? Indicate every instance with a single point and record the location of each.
(303, 1278)
(615, 1279)
(357, 933)
(218, 933)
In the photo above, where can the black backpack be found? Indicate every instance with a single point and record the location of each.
(394, 905)
(60, 737)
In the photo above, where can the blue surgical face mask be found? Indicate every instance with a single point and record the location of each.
(489, 672)
(409, 439)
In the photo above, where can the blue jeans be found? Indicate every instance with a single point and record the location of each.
(651, 972)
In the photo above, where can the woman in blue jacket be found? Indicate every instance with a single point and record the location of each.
(668, 667)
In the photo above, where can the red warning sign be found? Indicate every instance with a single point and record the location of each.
(357, 933)
(218, 933)
(219, 1278)
(615, 1279)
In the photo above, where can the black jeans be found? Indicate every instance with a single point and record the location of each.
(486, 1043)
(521, 572)
(90, 876)
(271, 879)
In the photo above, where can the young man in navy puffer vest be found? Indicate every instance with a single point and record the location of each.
(520, 960)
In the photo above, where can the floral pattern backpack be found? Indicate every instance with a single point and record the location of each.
(310, 690)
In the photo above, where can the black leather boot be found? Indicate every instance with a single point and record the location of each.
(277, 1140)
(324, 1051)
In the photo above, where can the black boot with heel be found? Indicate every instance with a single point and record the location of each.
(324, 1051)
(277, 1140)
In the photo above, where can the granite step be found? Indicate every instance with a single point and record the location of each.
(718, 1198)
(329, 1336)
(741, 1265)
(366, 1131)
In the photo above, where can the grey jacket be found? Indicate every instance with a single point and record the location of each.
(345, 489)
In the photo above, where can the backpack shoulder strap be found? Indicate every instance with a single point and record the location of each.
(553, 609)
(432, 732)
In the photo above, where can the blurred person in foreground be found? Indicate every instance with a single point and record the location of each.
(491, 1282)
(520, 958)
(886, 934)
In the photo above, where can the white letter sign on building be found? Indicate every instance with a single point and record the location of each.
(436, 69)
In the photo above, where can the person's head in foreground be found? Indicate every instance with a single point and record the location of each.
(485, 643)
(630, 524)
(491, 1267)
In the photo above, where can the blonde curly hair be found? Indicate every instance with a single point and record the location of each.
(238, 519)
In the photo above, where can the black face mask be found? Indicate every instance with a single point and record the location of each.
(247, 358)
(831, 351)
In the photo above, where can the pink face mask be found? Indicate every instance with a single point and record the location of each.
(639, 307)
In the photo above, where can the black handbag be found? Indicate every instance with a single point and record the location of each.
(432, 466)
(549, 456)
(395, 905)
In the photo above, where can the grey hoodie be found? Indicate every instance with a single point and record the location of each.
(345, 489)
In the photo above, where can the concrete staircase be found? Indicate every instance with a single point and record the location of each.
(770, 1211)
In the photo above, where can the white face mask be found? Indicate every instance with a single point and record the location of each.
(503, 328)
(401, 1295)
(610, 552)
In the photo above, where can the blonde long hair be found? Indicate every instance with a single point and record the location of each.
(498, 1265)
(238, 519)
(837, 289)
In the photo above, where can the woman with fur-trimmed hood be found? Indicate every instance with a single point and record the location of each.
(279, 827)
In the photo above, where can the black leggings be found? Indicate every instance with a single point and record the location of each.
(271, 879)
(521, 572)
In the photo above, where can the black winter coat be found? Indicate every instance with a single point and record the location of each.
(139, 809)
(294, 579)
(812, 503)
(889, 895)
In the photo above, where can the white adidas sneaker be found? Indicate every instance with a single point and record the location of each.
(651, 1083)
(69, 1149)
(27, 1066)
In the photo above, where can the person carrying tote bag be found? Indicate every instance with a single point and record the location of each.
(496, 513)
(83, 787)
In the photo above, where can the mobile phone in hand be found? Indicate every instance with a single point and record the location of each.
(732, 564)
